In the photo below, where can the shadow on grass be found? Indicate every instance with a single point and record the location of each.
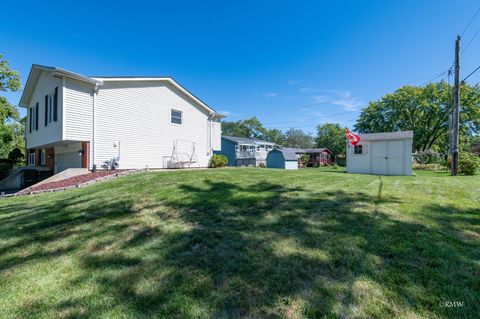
(257, 250)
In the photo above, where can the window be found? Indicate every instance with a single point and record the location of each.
(358, 149)
(176, 117)
(51, 108)
(42, 156)
(31, 158)
(30, 126)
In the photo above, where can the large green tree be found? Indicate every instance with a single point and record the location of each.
(297, 138)
(251, 128)
(425, 110)
(331, 136)
(11, 130)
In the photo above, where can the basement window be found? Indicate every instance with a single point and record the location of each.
(358, 149)
(176, 117)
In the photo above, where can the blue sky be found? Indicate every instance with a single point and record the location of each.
(290, 63)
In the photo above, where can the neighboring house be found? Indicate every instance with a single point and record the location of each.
(284, 158)
(381, 154)
(316, 156)
(75, 121)
(242, 151)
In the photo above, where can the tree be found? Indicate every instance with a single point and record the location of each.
(250, 128)
(274, 135)
(297, 138)
(425, 110)
(331, 136)
(11, 132)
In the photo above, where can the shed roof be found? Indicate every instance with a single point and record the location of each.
(288, 154)
(237, 139)
(386, 136)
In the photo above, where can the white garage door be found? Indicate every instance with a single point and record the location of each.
(67, 160)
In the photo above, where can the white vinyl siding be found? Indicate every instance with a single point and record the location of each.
(78, 111)
(53, 132)
(133, 122)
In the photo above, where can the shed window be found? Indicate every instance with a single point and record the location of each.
(358, 149)
(176, 117)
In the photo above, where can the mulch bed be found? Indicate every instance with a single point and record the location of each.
(72, 181)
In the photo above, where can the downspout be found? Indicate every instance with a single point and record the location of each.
(210, 133)
(94, 117)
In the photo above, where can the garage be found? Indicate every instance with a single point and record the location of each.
(381, 154)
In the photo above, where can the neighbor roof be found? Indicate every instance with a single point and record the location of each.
(246, 140)
(288, 154)
(36, 69)
(386, 136)
(311, 150)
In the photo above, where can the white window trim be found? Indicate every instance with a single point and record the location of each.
(181, 117)
(31, 159)
(42, 157)
(359, 154)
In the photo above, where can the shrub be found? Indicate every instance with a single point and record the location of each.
(218, 161)
(261, 165)
(468, 163)
(426, 157)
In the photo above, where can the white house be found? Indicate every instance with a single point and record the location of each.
(75, 121)
(382, 154)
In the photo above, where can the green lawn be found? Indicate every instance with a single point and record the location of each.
(249, 243)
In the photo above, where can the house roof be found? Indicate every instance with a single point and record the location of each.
(288, 154)
(237, 139)
(35, 72)
(386, 136)
(99, 80)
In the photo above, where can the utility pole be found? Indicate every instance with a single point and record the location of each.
(456, 109)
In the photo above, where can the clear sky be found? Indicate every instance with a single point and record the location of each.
(290, 63)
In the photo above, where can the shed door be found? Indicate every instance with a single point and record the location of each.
(379, 158)
(395, 158)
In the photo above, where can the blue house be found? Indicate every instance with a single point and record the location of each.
(242, 151)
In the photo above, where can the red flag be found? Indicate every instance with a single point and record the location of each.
(352, 137)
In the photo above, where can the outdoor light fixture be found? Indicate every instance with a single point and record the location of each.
(80, 153)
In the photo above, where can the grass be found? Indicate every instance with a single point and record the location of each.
(245, 243)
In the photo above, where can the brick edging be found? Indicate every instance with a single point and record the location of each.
(93, 181)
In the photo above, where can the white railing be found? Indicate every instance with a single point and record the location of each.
(251, 154)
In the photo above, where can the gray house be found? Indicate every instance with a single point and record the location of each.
(242, 151)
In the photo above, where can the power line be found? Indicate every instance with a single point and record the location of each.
(471, 40)
(471, 73)
(470, 22)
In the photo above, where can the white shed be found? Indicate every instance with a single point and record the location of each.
(381, 154)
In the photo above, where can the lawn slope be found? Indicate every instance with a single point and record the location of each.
(253, 243)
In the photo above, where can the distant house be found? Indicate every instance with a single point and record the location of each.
(284, 158)
(77, 121)
(316, 156)
(242, 151)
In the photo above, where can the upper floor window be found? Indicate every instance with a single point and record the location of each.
(33, 120)
(51, 107)
(176, 117)
(358, 149)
